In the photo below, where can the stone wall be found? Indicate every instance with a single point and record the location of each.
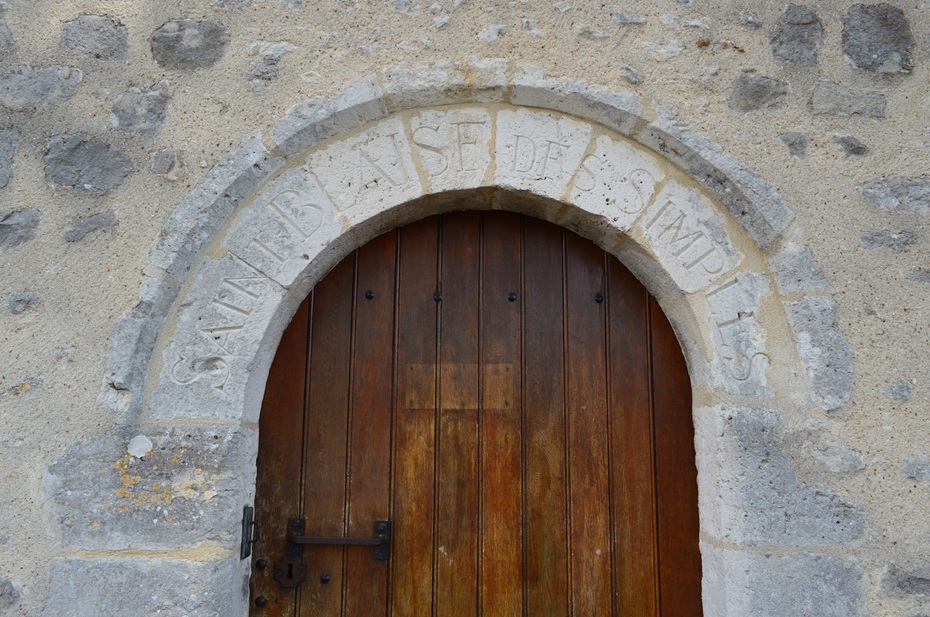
(145, 147)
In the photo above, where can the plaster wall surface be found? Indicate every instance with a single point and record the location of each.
(814, 478)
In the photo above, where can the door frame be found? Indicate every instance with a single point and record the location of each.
(185, 361)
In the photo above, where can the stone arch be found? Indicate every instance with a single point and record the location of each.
(706, 235)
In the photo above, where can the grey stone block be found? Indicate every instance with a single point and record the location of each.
(189, 489)
(131, 347)
(918, 468)
(852, 146)
(823, 349)
(898, 194)
(798, 35)
(795, 270)
(124, 587)
(746, 195)
(899, 390)
(833, 99)
(885, 239)
(797, 143)
(23, 301)
(25, 86)
(751, 92)
(897, 581)
(86, 164)
(204, 209)
(9, 595)
(18, 227)
(760, 500)
(877, 37)
(188, 44)
(6, 36)
(80, 227)
(141, 110)
(757, 584)
(100, 36)
(921, 275)
(8, 142)
(168, 163)
(312, 122)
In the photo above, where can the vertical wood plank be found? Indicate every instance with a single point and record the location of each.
(501, 525)
(546, 542)
(676, 475)
(457, 463)
(631, 447)
(370, 432)
(279, 461)
(586, 403)
(327, 419)
(412, 508)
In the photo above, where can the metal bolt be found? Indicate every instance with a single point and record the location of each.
(324, 579)
(599, 298)
(512, 296)
(437, 297)
(261, 564)
(261, 601)
(369, 294)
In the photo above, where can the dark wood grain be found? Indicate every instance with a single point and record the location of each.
(676, 474)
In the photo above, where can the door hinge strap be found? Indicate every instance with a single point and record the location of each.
(249, 532)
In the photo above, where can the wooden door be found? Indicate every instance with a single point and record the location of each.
(513, 401)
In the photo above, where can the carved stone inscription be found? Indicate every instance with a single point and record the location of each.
(290, 221)
(454, 146)
(539, 151)
(738, 336)
(687, 235)
(369, 172)
(616, 181)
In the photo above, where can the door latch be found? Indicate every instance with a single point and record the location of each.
(290, 571)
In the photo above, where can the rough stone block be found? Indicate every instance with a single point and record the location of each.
(918, 468)
(798, 35)
(6, 37)
(795, 270)
(189, 44)
(538, 151)
(131, 347)
(9, 595)
(312, 122)
(438, 84)
(761, 584)
(885, 239)
(210, 363)
(23, 301)
(797, 143)
(617, 110)
(100, 36)
(899, 390)
(751, 92)
(901, 582)
(141, 110)
(367, 173)
(80, 227)
(745, 194)
(823, 349)
(751, 495)
(454, 147)
(189, 489)
(851, 146)
(689, 237)
(287, 225)
(168, 163)
(898, 194)
(205, 208)
(120, 587)
(25, 86)
(819, 442)
(877, 37)
(738, 336)
(834, 99)
(18, 227)
(8, 142)
(86, 164)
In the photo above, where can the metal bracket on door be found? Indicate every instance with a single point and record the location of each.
(290, 570)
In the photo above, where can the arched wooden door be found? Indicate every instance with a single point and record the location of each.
(510, 398)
